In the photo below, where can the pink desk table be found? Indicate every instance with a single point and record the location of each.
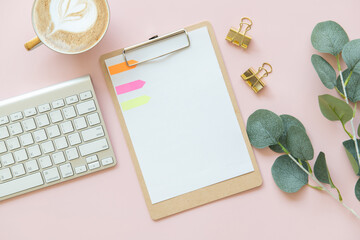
(109, 204)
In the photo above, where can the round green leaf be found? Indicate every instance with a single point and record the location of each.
(351, 55)
(335, 109)
(357, 189)
(351, 154)
(321, 170)
(325, 71)
(288, 176)
(264, 128)
(288, 121)
(353, 86)
(298, 144)
(329, 37)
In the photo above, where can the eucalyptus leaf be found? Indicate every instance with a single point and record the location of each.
(329, 37)
(357, 189)
(325, 71)
(264, 128)
(276, 148)
(351, 55)
(351, 154)
(298, 143)
(321, 170)
(353, 86)
(288, 176)
(335, 109)
(288, 121)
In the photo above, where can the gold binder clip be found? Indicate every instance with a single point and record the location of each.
(254, 80)
(239, 37)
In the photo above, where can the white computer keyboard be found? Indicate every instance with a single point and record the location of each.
(51, 135)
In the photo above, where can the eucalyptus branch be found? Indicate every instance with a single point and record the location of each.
(348, 78)
(317, 181)
(347, 101)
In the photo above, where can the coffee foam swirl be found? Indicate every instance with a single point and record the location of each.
(74, 16)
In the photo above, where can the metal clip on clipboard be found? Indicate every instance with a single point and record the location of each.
(153, 40)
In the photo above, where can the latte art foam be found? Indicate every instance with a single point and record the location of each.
(70, 26)
(73, 16)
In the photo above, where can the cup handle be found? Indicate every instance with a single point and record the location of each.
(32, 43)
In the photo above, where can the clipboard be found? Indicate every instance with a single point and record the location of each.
(202, 195)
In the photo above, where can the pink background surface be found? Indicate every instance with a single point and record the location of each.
(109, 204)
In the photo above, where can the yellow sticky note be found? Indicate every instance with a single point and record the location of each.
(133, 103)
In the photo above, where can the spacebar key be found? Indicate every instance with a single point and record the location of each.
(20, 184)
(93, 147)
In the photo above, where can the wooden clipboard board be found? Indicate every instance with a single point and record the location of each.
(204, 195)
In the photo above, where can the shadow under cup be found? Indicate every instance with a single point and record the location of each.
(69, 26)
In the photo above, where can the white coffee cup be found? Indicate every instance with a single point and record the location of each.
(69, 26)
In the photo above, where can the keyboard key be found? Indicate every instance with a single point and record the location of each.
(86, 107)
(72, 154)
(31, 166)
(42, 120)
(93, 119)
(94, 165)
(61, 143)
(29, 124)
(47, 147)
(20, 155)
(80, 169)
(56, 116)
(53, 131)
(45, 162)
(40, 135)
(2, 147)
(66, 127)
(107, 161)
(92, 133)
(58, 103)
(34, 151)
(4, 120)
(16, 116)
(66, 170)
(26, 139)
(4, 133)
(18, 170)
(21, 184)
(51, 175)
(44, 108)
(15, 128)
(92, 158)
(80, 123)
(93, 147)
(72, 99)
(58, 157)
(69, 112)
(13, 143)
(74, 139)
(5, 174)
(85, 95)
(30, 112)
(7, 159)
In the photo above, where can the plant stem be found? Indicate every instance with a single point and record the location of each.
(317, 181)
(354, 111)
(349, 134)
(348, 78)
(315, 187)
(347, 101)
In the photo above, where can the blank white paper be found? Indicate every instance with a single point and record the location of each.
(187, 136)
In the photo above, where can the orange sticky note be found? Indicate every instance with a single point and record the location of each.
(121, 67)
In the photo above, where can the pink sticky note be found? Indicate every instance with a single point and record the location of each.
(128, 87)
